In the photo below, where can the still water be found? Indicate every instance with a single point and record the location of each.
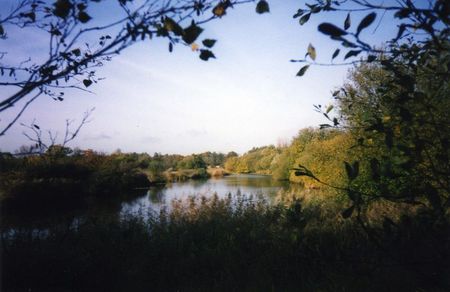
(41, 214)
(245, 184)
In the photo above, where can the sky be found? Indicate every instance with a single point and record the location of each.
(154, 101)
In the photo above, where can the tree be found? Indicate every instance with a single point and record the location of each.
(78, 44)
(50, 143)
(395, 103)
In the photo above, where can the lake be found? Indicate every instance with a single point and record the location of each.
(44, 213)
(245, 184)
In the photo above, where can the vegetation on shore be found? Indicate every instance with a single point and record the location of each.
(237, 243)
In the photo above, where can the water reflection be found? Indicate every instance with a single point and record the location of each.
(159, 196)
(41, 214)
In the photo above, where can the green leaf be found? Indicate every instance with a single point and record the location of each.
(304, 19)
(262, 7)
(206, 54)
(352, 53)
(87, 82)
(347, 22)
(191, 33)
(302, 70)
(329, 108)
(209, 43)
(83, 17)
(312, 52)
(347, 213)
(335, 54)
(331, 30)
(366, 22)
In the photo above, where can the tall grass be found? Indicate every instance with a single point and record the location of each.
(236, 243)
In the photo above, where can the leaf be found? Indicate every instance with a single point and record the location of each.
(219, 10)
(30, 15)
(347, 22)
(76, 52)
(262, 7)
(303, 171)
(2, 31)
(299, 13)
(371, 58)
(173, 26)
(329, 108)
(366, 22)
(83, 17)
(87, 82)
(36, 126)
(312, 52)
(170, 47)
(191, 33)
(352, 53)
(304, 19)
(331, 30)
(206, 54)
(62, 8)
(302, 70)
(335, 54)
(324, 126)
(347, 213)
(209, 43)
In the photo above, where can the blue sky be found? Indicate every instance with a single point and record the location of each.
(155, 101)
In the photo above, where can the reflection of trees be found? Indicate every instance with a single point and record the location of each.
(156, 194)
(253, 181)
